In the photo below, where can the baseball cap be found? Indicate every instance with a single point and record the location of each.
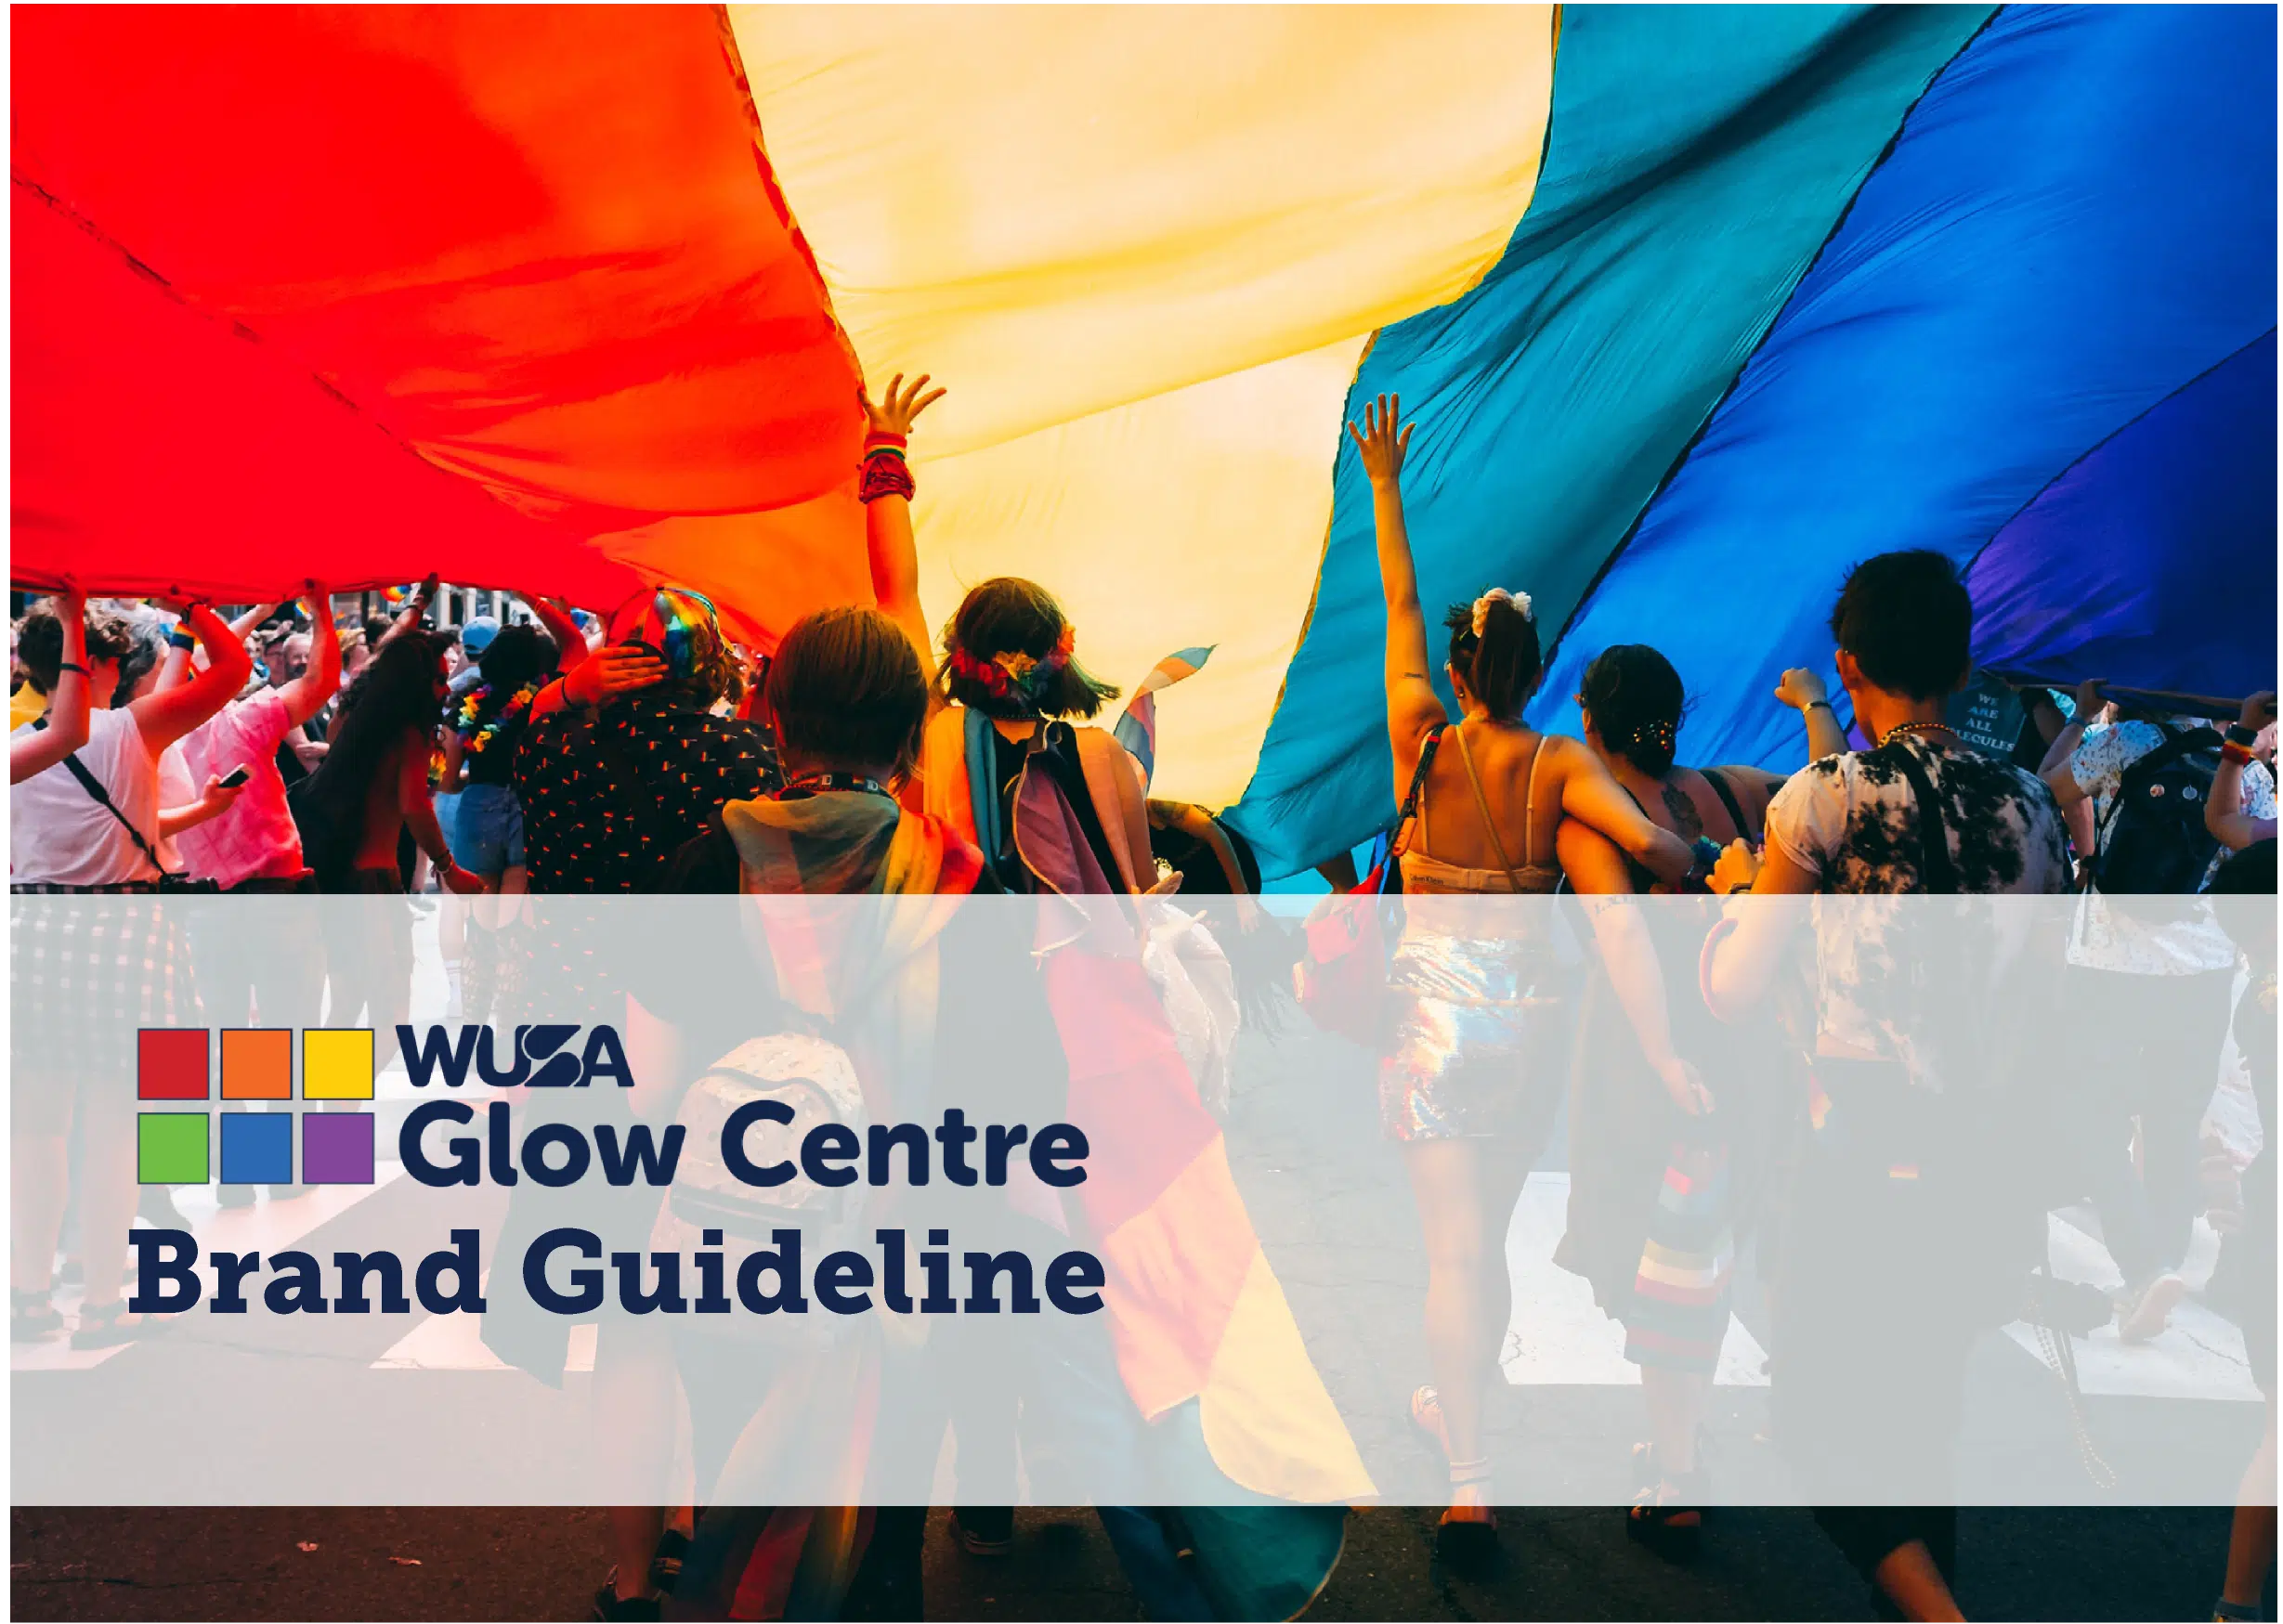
(476, 635)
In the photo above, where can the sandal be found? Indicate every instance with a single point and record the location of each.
(32, 1316)
(1668, 1516)
(666, 1561)
(111, 1326)
(1467, 1536)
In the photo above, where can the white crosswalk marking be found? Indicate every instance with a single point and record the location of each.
(455, 1341)
(2201, 1355)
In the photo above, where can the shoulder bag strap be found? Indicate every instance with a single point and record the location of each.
(1934, 866)
(1481, 801)
(101, 796)
(1410, 808)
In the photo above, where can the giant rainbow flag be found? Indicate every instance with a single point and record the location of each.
(1694, 307)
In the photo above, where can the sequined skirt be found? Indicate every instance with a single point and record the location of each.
(1478, 1038)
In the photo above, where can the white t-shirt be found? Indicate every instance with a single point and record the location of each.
(1852, 821)
(57, 833)
(2105, 936)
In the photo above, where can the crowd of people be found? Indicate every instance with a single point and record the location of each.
(646, 751)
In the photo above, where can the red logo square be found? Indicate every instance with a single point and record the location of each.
(171, 1064)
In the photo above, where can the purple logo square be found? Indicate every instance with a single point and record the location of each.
(336, 1150)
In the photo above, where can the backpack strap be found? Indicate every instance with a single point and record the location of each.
(101, 796)
(2178, 742)
(1935, 870)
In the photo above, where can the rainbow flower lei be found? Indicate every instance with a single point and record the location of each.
(471, 705)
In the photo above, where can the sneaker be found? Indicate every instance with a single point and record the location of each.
(986, 1531)
(2152, 1311)
(610, 1605)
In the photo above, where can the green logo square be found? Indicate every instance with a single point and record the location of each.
(170, 1147)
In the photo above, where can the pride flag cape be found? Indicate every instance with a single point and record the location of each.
(576, 300)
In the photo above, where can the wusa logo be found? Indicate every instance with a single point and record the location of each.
(543, 1057)
(175, 1064)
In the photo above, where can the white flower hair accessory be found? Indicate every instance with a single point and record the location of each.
(1482, 606)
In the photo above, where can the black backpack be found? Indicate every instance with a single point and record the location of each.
(2153, 841)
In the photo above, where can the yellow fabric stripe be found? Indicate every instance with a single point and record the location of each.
(1144, 247)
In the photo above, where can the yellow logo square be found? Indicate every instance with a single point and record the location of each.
(337, 1064)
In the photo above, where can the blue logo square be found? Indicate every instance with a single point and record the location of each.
(257, 1149)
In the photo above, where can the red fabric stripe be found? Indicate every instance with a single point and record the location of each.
(538, 248)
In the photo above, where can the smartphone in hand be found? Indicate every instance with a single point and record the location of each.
(236, 776)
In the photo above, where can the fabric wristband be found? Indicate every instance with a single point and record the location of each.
(2232, 751)
(178, 638)
(2239, 734)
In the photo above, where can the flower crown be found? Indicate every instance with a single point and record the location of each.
(1482, 606)
(1013, 677)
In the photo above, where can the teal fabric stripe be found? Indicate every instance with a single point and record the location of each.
(1697, 159)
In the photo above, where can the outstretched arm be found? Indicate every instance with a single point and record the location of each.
(570, 643)
(306, 693)
(1413, 705)
(174, 670)
(1804, 691)
(67, 707)
(162, 718)
(414, 613)
(1597, 800)
(2054, 769)
(2223, 815)
(888, 538)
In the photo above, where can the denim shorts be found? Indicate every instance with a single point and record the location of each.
(486, 832)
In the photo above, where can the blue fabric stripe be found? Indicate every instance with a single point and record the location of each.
(2079, 218)
(2191, 482)
(1697, 158)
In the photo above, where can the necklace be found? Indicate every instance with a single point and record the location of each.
(1904, 727)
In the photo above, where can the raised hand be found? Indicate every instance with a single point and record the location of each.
(1799, 688)
(217, 796)
(615, 669)
(1383, 446)
(1737, 870)
(2089, 699)
(2258, 710)
(900, 408)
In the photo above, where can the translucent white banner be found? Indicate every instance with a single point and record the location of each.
(874, 1199)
